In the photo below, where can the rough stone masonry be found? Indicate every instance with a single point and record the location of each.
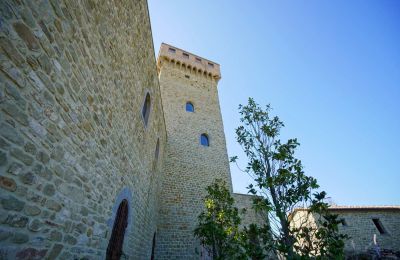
(90, 122)
(73, 142)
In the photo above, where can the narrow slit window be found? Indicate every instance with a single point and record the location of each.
(185, 55)
(153, 246)
(157, 149)
(146, 109)
(379, 226)
(171, 50)
(189, 107)
(204, 140)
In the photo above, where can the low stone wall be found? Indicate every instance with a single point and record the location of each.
(358, 224)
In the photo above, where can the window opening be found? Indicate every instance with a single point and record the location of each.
(189, 107)
(204, 140)
(146, 109)
(379, 226)
(153, 246)
(157, 149)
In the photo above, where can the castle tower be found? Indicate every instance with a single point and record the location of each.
(195, 152)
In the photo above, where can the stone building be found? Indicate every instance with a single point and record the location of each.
(368, 227)
(103, 149)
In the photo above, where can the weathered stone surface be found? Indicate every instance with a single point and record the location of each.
(70, 240)
(7, 183)
(49, 190)
(19, 238)
(55, 236)
(12, 203)
(11, 134)
(36, 81)
(16, 220)
(71, 192)
(31, 253)
(37, 128)
(15, 168)
(28, 18)
(11, 51)
(46, 31)
(26, 34)
(21, 156)
(28, 178)
(5, 234)
(32, 61)
(3, 143)
(14, 111)
(30, 148)
(32, 210)
(55, 251)
(3, 158)
(35, 225)
(58, 154)
(75, 141)
(53, 205)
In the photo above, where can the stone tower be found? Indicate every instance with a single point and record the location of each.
(188, 82)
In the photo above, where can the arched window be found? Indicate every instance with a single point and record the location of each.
(204, 140)
(146, 109)
(114, 249)
(189, 107)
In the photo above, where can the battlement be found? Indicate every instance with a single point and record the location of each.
(188, 60)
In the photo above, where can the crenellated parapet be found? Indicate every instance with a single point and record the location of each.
(188, 61)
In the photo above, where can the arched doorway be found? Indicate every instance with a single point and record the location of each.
(114, 249)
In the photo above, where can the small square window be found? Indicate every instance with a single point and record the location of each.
(343, 221)
(198, 59)
(185, 55)
(211, 65)
(187, 76)
(171, 50)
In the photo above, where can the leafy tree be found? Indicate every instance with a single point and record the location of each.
(256, 241)
(282, 186)
(218, 226)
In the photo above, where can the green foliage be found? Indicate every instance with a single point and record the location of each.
(282, 186)
(218, 224)
(256, 241)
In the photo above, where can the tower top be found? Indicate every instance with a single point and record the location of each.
(188, 60)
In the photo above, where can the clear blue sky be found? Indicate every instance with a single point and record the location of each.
(330, 69)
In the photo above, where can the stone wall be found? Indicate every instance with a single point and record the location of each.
(189, 167)
(360, 227)
(358, 224)
(73, 143)
(250, 216)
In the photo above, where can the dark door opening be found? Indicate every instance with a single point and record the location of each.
(114, 249)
